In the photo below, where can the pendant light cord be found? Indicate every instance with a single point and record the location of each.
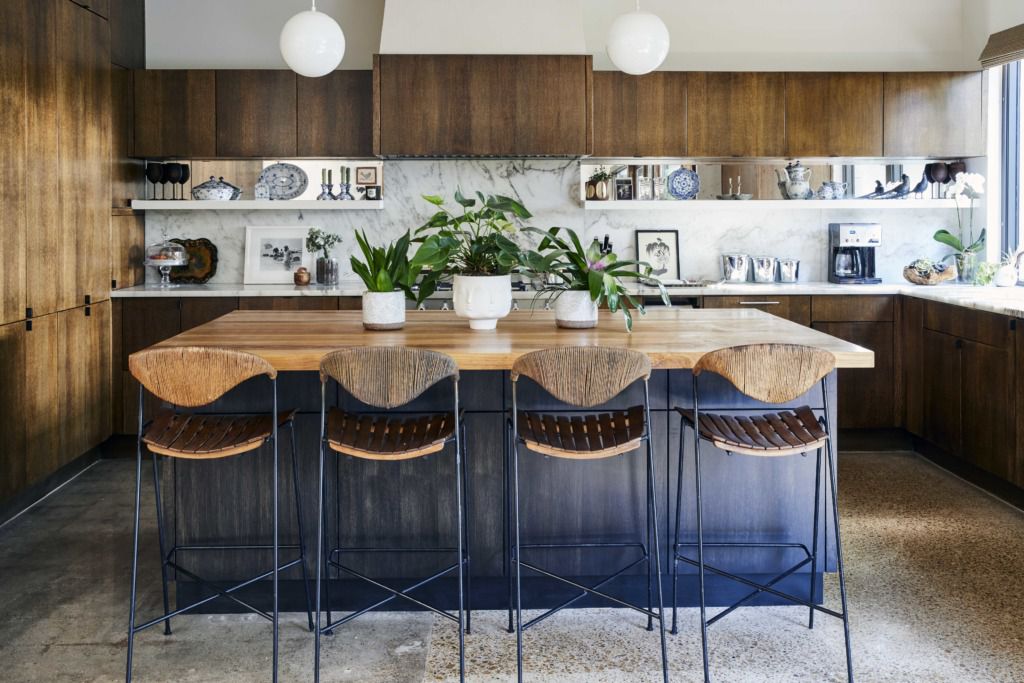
(314, 4)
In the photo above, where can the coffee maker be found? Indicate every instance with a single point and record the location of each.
(851, 248)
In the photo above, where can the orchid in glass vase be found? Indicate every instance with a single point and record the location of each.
(965, 245)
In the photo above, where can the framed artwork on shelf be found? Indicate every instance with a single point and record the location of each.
(660, 248)
(366, 175)
(623, 188)
(273, 253)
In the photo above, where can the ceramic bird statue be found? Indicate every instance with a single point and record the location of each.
(899, 191)
(879, 191)
(921, 187)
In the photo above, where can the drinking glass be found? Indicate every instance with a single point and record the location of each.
(172, 174)
(186, 173)
(154, 172)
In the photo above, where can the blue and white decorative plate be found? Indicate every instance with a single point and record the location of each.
(683, 184)
(285, 181)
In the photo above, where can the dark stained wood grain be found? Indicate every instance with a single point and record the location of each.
(288, 303)
(146, 322)
(615, 114)
(867, 397)
(934, 114)
(794, 308)
(14, 24)
(1018, 475)
(12, 422)
(942, 402)
(43, 382)
(336, 112)
(661, 101)
(854, 308)
(128, 33)
(100, 7)
(989, 409)
(738, 114)
(127, 250)
(84, 397)
(256, 113)
(911, 337)
(198, 310)
(968, 323)
(127, 179)
(175, 113)
(834, 114)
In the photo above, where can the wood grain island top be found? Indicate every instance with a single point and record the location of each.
(673, 338)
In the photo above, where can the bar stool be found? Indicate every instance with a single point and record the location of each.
(387, 377)
(770, 373)
(192, 377)
(583, 377)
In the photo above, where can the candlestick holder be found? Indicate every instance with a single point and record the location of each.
(326, 194)
(345, 191)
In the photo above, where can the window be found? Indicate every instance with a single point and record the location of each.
(1012, 162)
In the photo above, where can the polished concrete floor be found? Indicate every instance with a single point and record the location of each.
(935, 575)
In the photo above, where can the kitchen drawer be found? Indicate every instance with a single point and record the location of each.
(795, 308)
(854, 308)
(980, 326)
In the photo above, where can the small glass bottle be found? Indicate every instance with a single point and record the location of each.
(644, 184)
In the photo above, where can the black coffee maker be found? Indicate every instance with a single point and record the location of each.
(851, 248)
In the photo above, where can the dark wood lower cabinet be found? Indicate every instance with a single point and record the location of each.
(988, 388)
(867, 397)
(795, 308)
(942, 400)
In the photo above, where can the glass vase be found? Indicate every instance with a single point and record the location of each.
(327, 271)
(966, 268)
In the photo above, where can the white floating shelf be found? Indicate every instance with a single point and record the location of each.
(767, 204)
(255, 205)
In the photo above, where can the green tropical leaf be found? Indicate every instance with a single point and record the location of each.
(466, 203)
(949, 239)
(434, 199)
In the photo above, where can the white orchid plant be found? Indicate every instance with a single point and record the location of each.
(970, 186)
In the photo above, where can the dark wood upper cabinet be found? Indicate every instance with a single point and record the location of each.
(100, 7)
(736, 114)
(337, 115)
(483, 105)
(128, 33)
(834, 114)
(643, 116)
(934, 114)
(175, 113)
(256, 113)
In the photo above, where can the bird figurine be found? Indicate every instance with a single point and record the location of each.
(878, 192)
(920, 188)
(899, 191)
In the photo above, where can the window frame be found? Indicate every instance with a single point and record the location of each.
(1011, 162)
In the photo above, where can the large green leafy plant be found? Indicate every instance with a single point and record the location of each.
(476, 241)
(561, 254)
(389, 269)
(965, 245)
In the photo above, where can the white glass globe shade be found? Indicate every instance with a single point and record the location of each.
(312, 44)
(638, 42)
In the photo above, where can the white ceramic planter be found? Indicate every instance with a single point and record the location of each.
(383, 310)
(483, 299)
(1006, 276)
(575, 309)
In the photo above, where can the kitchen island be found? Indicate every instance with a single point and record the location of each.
(410, 502)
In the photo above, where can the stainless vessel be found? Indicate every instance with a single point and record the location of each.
(735, 267)
(764, 268)
(789, 270)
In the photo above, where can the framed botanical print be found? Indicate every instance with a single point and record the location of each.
(366, 175)
(660, 248)
(273, 253)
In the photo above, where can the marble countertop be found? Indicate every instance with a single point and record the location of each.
(1007, 301)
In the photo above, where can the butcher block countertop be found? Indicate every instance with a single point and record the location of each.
(673, 338)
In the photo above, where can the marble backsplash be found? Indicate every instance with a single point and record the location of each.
(550, 189)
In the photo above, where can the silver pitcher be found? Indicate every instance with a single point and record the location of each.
(789, 270)
(764, 268)
(735, 267)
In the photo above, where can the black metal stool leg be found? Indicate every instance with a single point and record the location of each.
(653, 514)
(814, 540)
(507, 447)
(839, 555)
(277, 558)
(319, 564)
(163, 541)
(517, 561)
(135, 549)
(298, 518)
(328, 548)
(465, 526)
(459, 510)
(650, 560)
(678, 526)
(700, 536)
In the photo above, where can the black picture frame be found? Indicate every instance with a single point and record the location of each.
(623, 188)
(664, 267)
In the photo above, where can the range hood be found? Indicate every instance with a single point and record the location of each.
(482, 79)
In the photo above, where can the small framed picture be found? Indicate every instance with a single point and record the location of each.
(623, 188)
(660, 248)
(273, 254)
(366, 175)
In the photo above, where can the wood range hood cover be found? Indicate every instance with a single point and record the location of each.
(448, 85)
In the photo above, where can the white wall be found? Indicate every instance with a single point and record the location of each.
(706, 34)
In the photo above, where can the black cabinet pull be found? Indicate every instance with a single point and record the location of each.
(959, 343)
(28, 312)
(88, 311)
(28, 325)
(113, 284)
(88, 299)
(1013, 325)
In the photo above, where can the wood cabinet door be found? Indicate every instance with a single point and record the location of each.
(661, 114)
(511, 105)
(42, 410)
(128, 33)
(794, 308)
(14, 25)
(615, 114)
(942, 385)
(337, 115)
(175, 113)
(911, 356)
(84, 351)
(867, 396)
(288, 303)
(256, 115)
(12, 419)
(934, 114)
(100, 7)
(988, 404)
(127, 249)
(127, 175)
(198, 310)
(736, 114)
(83, 114)
(834, 114)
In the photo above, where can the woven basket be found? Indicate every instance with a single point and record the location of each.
(933, 278)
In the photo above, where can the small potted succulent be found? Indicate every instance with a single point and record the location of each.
(318, 240)
(597, 187)
(390, 277)
(585, 278)
(477, 250)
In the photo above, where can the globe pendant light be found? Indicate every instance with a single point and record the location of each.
(312, 43)
(638, 42)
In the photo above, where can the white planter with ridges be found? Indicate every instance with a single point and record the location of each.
(384, 310)
(575, 309)
(483, 299)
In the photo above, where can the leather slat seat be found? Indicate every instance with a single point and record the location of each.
(596, 435)
(386, 437)
(786, 432)
(198, 436)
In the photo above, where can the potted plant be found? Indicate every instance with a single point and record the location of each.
(318, 240)
(477, 251)
(1009, 272)
(586, 278)
(390, 277)
(972, 186)
(597, 184)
